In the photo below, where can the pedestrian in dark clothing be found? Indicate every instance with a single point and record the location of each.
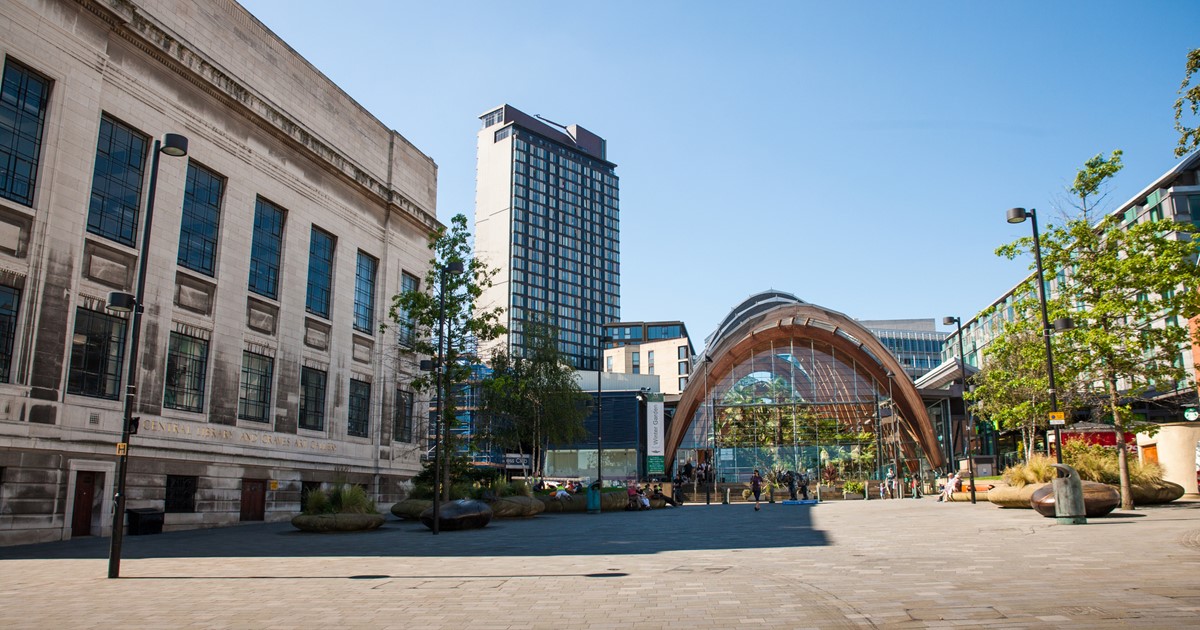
(756, 482)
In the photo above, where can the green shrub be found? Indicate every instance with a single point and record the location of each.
(1039, 469)
(1099, 463)
(421, 491)
(340, 499)
(1093, 462)
(853, 486)
(462, 491)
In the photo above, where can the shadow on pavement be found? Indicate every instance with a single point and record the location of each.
(692, 527)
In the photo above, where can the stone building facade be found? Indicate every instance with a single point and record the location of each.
(277, 243)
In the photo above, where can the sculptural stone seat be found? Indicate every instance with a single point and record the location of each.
(1098, 499)
(460, 514)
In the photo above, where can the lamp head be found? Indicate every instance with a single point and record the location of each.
(454, 266)
(121, 302)
(1018, 215)
(1064, 323)
(174, 145)
(948, 320)
(427, 365)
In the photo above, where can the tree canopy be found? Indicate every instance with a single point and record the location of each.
(441, 314)
(532, 400)
(1129, 284)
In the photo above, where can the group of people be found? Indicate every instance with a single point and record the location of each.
(890, 487)
(953, 484)
(639, 497)
(562, 492)
(701, 472)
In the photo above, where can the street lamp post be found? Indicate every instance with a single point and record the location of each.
(968, 447)
(1018, 215)
(603, 339)
(712, 425)
(173, 145)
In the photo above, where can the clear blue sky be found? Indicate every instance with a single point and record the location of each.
(860, 155)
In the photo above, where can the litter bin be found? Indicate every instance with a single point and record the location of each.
(593, 498)
(144, 521)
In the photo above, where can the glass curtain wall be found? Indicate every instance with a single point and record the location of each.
(799, 406)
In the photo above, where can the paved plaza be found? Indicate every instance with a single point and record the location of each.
(902, 563)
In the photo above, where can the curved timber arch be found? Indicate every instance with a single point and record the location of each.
(767, 333)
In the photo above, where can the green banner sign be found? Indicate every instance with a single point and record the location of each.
(654, 465)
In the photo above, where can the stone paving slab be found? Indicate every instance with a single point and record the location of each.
(847, 564)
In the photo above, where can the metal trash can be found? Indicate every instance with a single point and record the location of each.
(593, 498)
(144, 521)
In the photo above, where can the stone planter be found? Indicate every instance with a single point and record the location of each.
(1143, 494)
(851, 496)
(410, 509)
(609, 502)
(1011, 496)
(337, 522)
(1155, 493)
(517, 507)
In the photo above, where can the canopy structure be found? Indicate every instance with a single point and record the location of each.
(788, 384)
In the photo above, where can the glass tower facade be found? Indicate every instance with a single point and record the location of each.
(559, 197)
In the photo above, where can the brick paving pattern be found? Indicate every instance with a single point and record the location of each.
(893, 564)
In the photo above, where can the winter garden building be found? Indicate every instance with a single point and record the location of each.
(276, 244)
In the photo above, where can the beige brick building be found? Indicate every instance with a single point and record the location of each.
(277, 243)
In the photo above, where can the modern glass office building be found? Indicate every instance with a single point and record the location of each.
(915, 342)
(546, 216)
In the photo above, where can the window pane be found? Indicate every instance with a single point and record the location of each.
(201, 218)
(97, 349)
(403, 421)
(117, 182)
(187, 363)
(364, 293)
(360, 408)
(312, 399)
(181, 493)
(320, 272)
(267, 248)
(254, 391)
(23, 96)
(407, 328)
(10, 301)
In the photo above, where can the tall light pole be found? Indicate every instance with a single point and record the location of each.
(173, 145)
(1018, 215)
(968, 447)
(439, 364)
(895, 429)
(603, 339)
(712, 425)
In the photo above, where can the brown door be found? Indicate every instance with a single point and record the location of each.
(85, 494)
(254, 499)
(1150, 454)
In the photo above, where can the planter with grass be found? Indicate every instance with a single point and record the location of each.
(342, 508)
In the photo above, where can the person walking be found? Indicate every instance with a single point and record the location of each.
(756, 481)
(890, 484)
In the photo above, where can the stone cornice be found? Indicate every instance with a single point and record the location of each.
(140, 29)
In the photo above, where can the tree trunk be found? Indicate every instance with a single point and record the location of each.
(1122, 459)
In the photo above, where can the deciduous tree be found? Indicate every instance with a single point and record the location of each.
(418, 317)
